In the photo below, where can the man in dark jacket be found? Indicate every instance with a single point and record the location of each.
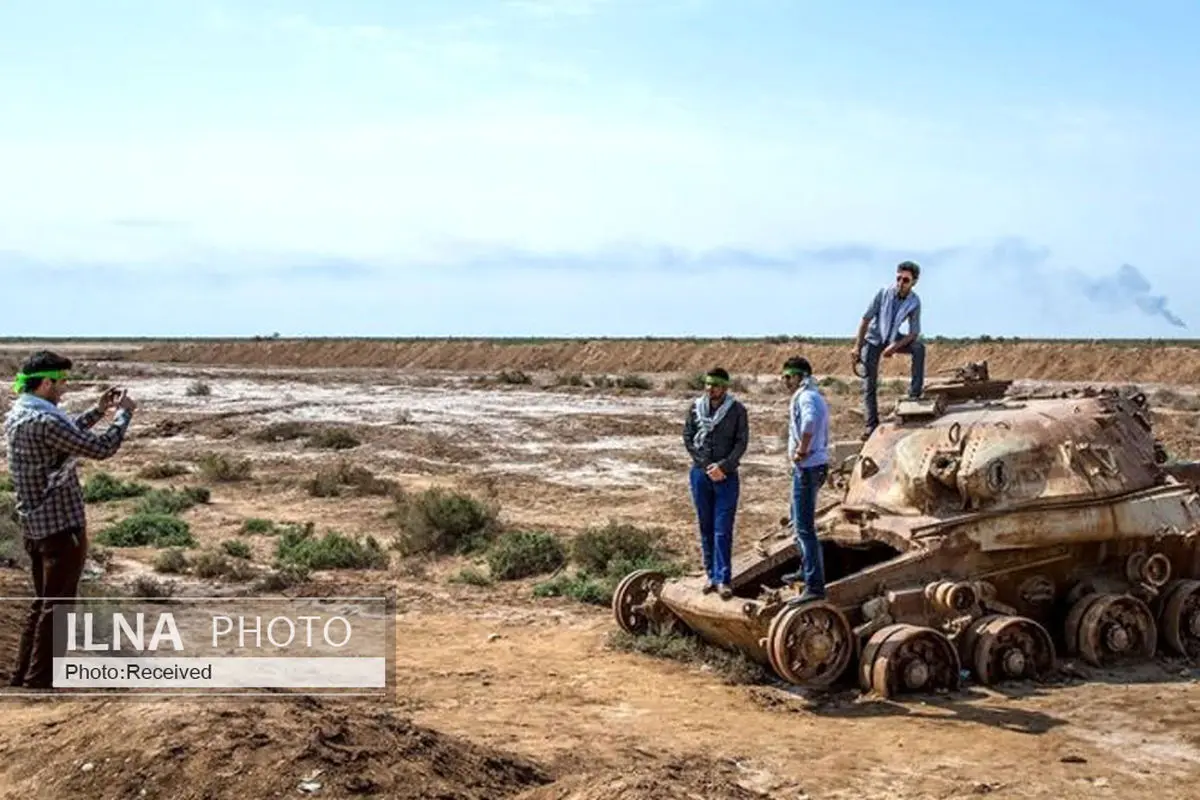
(716, 433)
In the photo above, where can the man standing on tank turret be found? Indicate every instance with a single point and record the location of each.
(879, 336)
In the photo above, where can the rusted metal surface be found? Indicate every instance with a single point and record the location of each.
(974, 533)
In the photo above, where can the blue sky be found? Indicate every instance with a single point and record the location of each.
(597, 167)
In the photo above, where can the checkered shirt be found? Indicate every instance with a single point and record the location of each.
(43, 450)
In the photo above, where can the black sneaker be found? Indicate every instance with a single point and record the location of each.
(725, 591)
(709, 588)
(792, 577)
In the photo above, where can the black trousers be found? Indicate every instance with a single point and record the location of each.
(57, 565)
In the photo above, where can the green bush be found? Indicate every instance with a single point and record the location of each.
(236, 548)
(257, 525)
(523, 553)
(442, 521)
(11, 540)
(734, 668)
(332, 551)
(170, 501)
(103, 487)
(597, 587)
(148, 530)
(579, 587)
(595, 548)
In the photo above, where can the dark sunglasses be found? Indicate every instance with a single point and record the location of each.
(903, 279)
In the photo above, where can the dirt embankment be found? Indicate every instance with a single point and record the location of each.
(1031, 360)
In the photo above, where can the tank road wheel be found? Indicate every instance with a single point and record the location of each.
(629, 597)
(999, 647)
(1179, 619)
(810, 645)
(1106, 629)
(903, 658)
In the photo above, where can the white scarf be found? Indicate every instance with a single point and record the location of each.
(706, 422)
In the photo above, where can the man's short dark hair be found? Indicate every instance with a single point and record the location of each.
(717, 372)
(43, 361)
(799, 364)
(910, 266)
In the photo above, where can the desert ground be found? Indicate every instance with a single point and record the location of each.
(514, 685)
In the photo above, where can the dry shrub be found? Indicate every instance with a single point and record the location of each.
(606, 555)
(520, 554)
(222, 468)
(334, 439)
(595, 548)
(441, 521)
(149, 586)
(472, 576)
(513, 376)
(331, 482)
(172, 561)
(283, 431)
(162, 471)
(734, 668)
(209, 565)
(284, 577)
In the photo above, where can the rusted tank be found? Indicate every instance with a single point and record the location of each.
(978, 531)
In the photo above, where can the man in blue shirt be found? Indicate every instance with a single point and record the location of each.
(879, 335)
(808, 449)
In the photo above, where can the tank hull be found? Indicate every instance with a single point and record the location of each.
(991, 544)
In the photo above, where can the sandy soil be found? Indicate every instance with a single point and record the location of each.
(505, 695)
(1045, 361)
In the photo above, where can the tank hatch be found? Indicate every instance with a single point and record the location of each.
(968, 382)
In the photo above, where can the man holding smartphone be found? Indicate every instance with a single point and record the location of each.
(44, 447)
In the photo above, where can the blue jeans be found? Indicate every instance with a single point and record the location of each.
(871, 353)
(716, 506)
(806, 482)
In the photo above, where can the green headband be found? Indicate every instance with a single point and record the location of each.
(23, 378)
(713, 380)
(793, 371)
